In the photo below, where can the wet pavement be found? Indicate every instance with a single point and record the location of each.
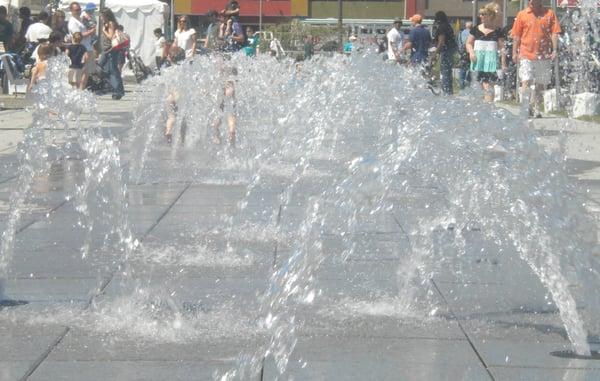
(182, 308)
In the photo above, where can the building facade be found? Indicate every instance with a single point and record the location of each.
(358, 9)
(460, 9)
(277, 9)
(248, 8)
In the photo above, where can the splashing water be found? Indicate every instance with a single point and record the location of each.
(459, 165)
(57, 106)
(352, 147)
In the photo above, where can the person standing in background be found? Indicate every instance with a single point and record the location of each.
(211, 43)
(484, 45)
(349, 45)
(112, 53)
(89, 20)
(58, 25)
(394, 40)
(535, 46)
(76, 24)
(26, 21)
(419, 41)
(309, 47)
(78, 55)
(160, 53)
(464, 78)
(446, 47)
(185, 37)
(6, 29)
(39, 30)
(252, 42)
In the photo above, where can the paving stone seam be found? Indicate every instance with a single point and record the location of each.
(8, 179)
(372, 336)
(111, 276)
(101, 289)
(44, 355)
(33, 221)
(487, 369)
(54, 208)
(503, 366)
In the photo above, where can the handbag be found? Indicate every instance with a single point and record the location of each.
(119, 40)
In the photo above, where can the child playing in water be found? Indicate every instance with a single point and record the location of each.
(172, 109)
(39, 71)
(228, 107)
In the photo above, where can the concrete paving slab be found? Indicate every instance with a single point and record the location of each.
(544, 374)
(30, 345)
(531, 354)
(13, 370)
(292, 218)
(211, 195)
(50, 289)
(153, 195)
(520, 326)
(161, 370)
(57, 260)
(372, 319)
(477, 299)
(186, 306)
(196, 285)
(383, 369)
(84, 346)
(379, 359)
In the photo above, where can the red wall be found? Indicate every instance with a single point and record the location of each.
(247, 7)
(411, 8)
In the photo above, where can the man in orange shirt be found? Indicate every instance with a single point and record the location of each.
(535, 34)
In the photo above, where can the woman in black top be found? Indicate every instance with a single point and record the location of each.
(443, 37)
(484, 44)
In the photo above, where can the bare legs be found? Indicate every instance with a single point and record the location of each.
(231, 128)
(229, 99)
(171, 115)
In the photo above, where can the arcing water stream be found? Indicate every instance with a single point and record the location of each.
(344, 146)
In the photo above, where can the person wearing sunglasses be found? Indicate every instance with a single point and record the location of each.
(185, 37)
(535, 35)
(483, 45)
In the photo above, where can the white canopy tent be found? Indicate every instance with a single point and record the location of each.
(139, 19)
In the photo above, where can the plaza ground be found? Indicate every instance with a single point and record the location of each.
(83, 320)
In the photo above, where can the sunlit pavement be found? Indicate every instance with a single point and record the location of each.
(65, 317)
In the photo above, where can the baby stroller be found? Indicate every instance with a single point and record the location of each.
(428, 73)
(140, 70)
(98, 82)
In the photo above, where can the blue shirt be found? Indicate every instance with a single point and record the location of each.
(420, 38)
(462, 39)
(348, 47)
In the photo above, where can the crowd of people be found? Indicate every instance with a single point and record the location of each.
(224, 34)
(49, 36)
(481, 50)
